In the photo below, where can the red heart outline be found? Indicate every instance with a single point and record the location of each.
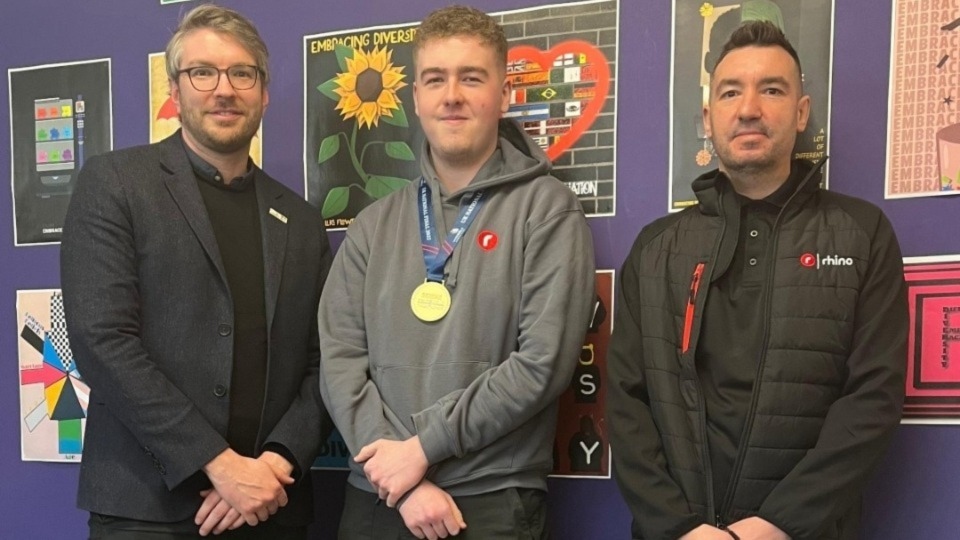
(595, 58)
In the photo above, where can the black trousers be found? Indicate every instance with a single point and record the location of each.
(507, 514)
(114, 528)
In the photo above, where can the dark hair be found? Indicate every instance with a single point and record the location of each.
(759, 34)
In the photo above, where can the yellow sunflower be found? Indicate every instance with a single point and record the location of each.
(368, 89)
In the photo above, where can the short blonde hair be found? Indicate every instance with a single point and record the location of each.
(224, 21)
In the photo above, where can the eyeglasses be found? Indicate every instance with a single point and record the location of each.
(206, 78)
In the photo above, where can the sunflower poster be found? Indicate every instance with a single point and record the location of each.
(362, 138)
(359, 102)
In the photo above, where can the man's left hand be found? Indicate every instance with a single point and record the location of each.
(393, 467)
(216, 515)
(756, 528)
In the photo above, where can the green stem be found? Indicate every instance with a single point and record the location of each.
(364, 151)
(351, 142)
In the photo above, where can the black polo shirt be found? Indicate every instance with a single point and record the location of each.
(731, 335)
(235, 218)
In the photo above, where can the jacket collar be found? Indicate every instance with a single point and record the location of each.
(804, 180)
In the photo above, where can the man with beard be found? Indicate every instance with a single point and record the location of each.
(757, 363)
(191, 281)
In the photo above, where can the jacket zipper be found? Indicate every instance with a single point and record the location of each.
(755, 395)
(694, 287)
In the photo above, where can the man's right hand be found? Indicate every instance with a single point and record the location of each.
(429, 512)
(249, 485)
(707, 532)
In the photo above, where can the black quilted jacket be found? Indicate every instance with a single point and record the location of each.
(829, 385)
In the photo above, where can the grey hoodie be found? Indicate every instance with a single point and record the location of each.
(479, 386)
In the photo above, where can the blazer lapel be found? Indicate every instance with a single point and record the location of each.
(273, 227)
(181, 181)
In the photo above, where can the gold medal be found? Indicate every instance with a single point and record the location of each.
(430, 301)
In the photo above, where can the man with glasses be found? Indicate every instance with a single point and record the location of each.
(191, 281)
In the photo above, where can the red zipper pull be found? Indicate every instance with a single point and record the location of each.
(691, 305)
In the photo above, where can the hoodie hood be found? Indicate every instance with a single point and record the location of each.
(516, 159)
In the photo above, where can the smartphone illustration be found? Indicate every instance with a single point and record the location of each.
(56, 144)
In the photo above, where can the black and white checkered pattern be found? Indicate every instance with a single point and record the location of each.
(58, 332)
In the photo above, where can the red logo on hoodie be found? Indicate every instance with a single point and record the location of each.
(487, 240)
(808, 260)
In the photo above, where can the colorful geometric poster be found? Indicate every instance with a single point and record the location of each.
(164, 118)
(362, 138)
(581, 448)
(60, 115)
(700, 30)
(53, 396)
(923, 121)
(933, 345)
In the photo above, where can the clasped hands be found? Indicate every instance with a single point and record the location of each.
(245, 491)
(397, 469)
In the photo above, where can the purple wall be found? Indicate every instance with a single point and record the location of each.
(913, 494)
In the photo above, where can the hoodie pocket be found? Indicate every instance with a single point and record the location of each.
(410, 389)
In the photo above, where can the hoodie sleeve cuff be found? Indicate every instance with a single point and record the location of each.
(434, 439)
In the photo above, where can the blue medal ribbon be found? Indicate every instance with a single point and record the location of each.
(435, 255)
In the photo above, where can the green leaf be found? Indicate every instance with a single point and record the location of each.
(379, 187)
(328, 88)
(398, 119)
(329, 147)
(399, 150)
(343, 52)
(336, 202)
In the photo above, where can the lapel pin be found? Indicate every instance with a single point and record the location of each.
(278, 215)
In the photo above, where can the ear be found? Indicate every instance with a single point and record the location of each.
(803, 113)
(266, 98)
(505, 95)
(175, 93)
(416, 99)
(707, 131)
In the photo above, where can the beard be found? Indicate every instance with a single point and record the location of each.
(223, 140)
(752, 163)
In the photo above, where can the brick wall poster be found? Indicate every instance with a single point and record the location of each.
(362, 138)
(923, 126)
(699, 31)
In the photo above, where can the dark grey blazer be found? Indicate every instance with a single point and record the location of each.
(150, 320)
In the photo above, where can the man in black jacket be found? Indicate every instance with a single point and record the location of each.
(757, 362)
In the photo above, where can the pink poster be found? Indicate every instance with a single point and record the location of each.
(933, 345)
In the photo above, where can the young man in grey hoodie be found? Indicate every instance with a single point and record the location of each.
(455, 312)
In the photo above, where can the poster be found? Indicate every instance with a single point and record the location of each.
(362, 138)
(933, 343)
(923, 122)
(700, 30)
(582, 447)
(60, 115)
(164, 118)
(53, 396)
